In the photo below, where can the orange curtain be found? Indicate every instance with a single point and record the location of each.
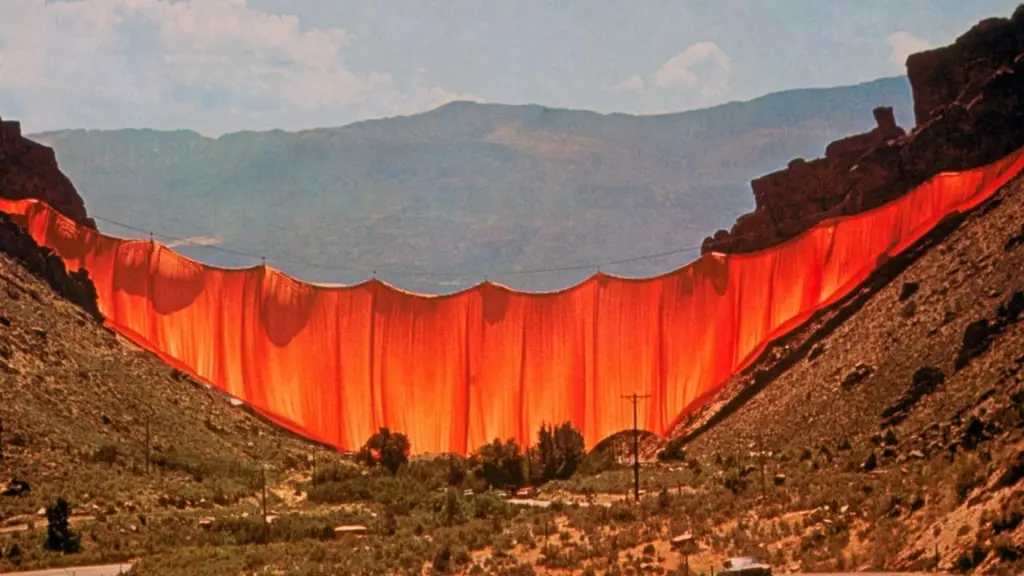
(456, 371)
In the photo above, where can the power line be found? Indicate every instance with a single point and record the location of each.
(601, 264)
(408, 271)
(253, 255)
(173, 238)
(419, 273)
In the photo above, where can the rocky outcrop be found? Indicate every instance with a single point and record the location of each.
(76, 287)
(787, 200)
(29, 170)
(969, 106)
(945, 75)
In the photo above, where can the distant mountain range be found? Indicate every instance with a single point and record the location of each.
(437, 201)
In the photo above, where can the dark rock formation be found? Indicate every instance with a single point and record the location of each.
(793, 199)
(925, 381)
(908, 290)
(42, 262)
(969, 106)
(860, 373)
(943, 76)
(979, 334)
(16, 487)
(29, 170)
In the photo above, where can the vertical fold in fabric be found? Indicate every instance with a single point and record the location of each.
(420, 367)
(627, 355)
(553, 372)
(498, 326)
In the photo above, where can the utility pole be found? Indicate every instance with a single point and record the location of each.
(634, 398)
(1, 438)
(760, 456)
(264, 470)
(148, 437)
(764, 485)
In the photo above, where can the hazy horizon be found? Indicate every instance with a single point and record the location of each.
(440, 106)
(223, 66)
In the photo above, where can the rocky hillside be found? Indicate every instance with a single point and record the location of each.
(969, 107)
(892, 424)
(436, 201)
(914, 385)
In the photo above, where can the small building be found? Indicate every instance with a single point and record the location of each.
(746, 566)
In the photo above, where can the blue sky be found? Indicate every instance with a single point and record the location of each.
(218, 66)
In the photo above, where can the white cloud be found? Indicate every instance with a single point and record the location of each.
(683, 69)
(426, 99)
(904, 44)
(634, 84)
(702, 65)
(216, 62)
(418, 99)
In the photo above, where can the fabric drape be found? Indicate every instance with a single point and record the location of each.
(456, 371)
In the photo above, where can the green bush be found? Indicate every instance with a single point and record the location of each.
(597, 462)
(452, 509)
(238, 470)
(14, 555)
(490, 506)
(253, 530)
(402, 492)
(560, 451)
(443, 558)
(59, 537)
(335, 473)
(501, 465)
(456, 471)
(387, 449)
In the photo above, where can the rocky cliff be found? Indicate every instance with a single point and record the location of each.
(968, 106)
(29, 170)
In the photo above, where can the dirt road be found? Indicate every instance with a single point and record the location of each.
(107, 570)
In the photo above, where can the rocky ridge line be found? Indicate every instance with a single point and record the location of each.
(968, 107)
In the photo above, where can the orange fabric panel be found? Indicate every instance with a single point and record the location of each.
(456, 371)
(628, 356)
(557, 346)
(419, 380)
(699, 313)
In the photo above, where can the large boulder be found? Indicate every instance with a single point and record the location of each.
(942, 76)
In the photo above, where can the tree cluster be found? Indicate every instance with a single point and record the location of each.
(556, 456)
(385, 448)
(499, 464)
